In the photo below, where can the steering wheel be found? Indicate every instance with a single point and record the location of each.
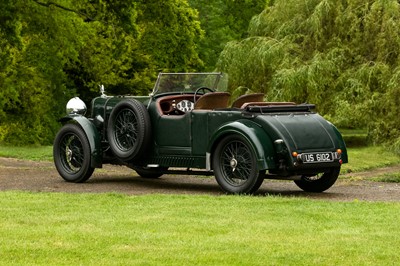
(204, 89)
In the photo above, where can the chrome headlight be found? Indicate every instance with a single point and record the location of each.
(76, 106)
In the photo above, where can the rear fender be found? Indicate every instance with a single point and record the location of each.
(261, 143)
(342, 145)
(92, 135)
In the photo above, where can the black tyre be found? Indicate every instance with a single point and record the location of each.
(320, 182)
(151, 173)
(129, 130)
(71, 152)
(235, 166)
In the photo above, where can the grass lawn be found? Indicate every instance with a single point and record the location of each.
(366, 158)
(114, 229)
(35, 153)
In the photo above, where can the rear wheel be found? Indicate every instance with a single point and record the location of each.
(320, 182)
(71, 152)
(235, 166)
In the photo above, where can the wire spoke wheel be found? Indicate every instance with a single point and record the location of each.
(129, 130)
(235, 167)
(126, 131)
(237, 163)
(72, 155)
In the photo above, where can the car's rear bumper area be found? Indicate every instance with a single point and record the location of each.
(306, 169)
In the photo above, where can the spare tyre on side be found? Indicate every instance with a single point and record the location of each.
(129, 130)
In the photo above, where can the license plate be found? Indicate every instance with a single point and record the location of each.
(318, 157)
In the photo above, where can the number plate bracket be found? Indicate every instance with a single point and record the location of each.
(316, 157)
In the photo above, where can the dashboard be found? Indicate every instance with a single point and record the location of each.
(176, 104)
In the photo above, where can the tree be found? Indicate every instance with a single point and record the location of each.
(127, 62)
(223, 21)
(170, 33)
(53, 50)
(32, 77)
(342, 55)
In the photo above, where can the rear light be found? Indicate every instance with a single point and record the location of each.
(338, 155)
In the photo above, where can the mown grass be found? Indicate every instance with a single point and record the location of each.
(35, 153)
(389, 177)
(370, 157)
(114, 229)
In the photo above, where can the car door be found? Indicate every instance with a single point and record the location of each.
(173, 134)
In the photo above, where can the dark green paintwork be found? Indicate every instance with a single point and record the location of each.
(185, 140)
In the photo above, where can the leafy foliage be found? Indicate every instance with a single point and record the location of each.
(53, 50)
(223, 21)
(170, 32)
(342, 55)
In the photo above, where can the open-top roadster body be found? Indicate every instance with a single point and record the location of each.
(189, 125)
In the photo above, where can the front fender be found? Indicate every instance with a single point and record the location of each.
(260, 141)
(92, 135)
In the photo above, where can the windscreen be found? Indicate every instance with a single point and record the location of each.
(190, 82)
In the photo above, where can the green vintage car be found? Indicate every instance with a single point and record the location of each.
(190, 125)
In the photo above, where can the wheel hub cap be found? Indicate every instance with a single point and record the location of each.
(233, 163)
(69, 154)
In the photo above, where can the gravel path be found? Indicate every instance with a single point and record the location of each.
(42, 177)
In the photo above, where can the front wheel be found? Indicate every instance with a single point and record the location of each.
(71, 152)
(235, 166)
(320, 182)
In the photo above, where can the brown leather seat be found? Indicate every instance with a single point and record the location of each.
(254, 97)
(212, 100)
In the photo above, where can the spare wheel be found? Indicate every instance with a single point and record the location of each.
(129, 130)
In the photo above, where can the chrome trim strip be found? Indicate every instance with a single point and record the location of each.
(208, 161)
